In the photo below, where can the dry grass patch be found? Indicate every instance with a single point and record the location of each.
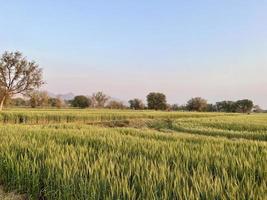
(10, 195)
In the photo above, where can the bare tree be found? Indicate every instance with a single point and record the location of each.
(113, 104)
(38, 99)
(17, 75)
(59, 102)
(99, 100)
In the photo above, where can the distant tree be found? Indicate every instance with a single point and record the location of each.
(18, 102)
(17, 76)
(136, 104)
(156, 101)
(60, 102)
(175, 107)
(38, 99)
(226, 106)
(43, 101)
(56, 102)
(52, 101)
(80, 101)
(197, 104)
(244, 106)
(99, 100)
(211, 108)
(34, 98)
(168, 107)
(113, 104)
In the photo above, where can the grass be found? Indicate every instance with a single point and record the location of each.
(151, 155)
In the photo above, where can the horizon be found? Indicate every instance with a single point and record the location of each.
(215, 50)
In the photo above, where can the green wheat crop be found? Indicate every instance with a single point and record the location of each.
(171, 156)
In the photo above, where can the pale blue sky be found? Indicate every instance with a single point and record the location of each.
(213, 49)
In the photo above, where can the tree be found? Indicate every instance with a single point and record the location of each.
(38, 99)
(43, 99)
(18, 76)
(174, 107)
(211, 108)
(136, 104)
(60, 102)
(52, 102)
(80, 101)
(197, 104)
(244, 105)
(18, 102)
(34, 98)
(226, 106)
(156, 101)
(56, 102)
(99, 100)
(116, 105)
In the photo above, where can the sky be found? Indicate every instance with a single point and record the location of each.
(125, 48)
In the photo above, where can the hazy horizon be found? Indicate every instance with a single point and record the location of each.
(216, 50)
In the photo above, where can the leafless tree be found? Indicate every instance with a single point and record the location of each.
(99, 100)
(38, 99)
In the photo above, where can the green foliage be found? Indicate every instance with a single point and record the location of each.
(161, 124)
(244, 106)
(80, 102)
(226, 106)
(241, 106)
(136, 104)
(156, 101)
(211, 108)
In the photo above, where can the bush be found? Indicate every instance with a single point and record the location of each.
(80, 101)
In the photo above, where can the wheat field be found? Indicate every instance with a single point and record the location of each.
(109, 154)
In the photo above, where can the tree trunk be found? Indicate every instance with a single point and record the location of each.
(2, 102)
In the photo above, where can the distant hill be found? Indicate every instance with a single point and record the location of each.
(67, 96)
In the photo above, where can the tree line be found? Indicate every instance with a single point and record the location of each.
(23, 77)
(154, 101)
(157, 101)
